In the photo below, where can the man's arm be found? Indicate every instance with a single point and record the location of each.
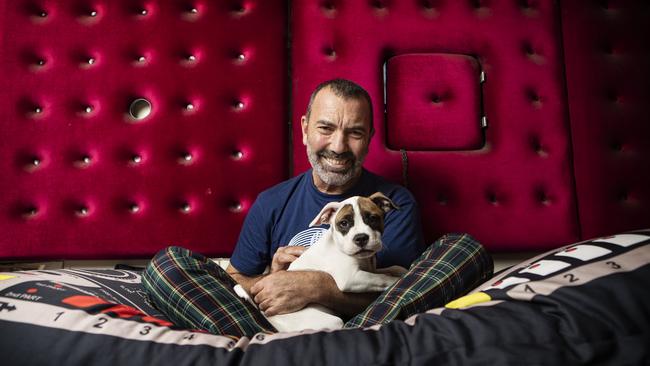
(284, 291)
(288, 291)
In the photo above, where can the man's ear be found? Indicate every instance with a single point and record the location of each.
(325, 214)
(304, 125)
(383, 202)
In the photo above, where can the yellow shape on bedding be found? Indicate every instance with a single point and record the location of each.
(471, 299)
(6, 277)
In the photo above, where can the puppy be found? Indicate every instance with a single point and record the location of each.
(347, 252)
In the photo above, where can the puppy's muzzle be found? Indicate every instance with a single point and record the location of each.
(361, 240)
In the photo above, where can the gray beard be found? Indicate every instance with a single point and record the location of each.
(334, 178)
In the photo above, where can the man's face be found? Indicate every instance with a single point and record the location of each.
(337, 136)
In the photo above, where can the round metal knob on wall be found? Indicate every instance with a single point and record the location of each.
(140, 109)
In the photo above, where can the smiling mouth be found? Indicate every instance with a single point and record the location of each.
(339, 164)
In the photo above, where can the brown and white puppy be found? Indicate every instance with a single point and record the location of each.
(347, 252)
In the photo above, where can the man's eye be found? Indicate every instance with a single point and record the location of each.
(357, 134)
(325, 129)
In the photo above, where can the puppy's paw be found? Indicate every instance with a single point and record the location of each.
(239, 290)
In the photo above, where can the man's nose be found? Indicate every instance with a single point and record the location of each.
(338, 143)
(361, 240)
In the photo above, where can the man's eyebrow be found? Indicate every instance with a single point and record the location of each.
(360, 126)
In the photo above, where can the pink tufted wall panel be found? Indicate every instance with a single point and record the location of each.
(564, 156)
(608, 72)
(517, 190)
(82, 179)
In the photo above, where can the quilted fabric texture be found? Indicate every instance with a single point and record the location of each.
(81, 178)
(433, 102)
(518, 190)
(564, 156)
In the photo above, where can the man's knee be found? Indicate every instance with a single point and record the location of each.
(167, 253)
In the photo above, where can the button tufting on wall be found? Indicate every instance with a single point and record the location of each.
(185, 207)
(141, 59)
(83, 161)
(136, 159)
(134, 208)
(43, 14)
(40, 62)
(239, 9)
(379, 4)
(140, 109)
(144, 12)
(241, 57)
(539, 149)
(543, 198)
(90, 61)
(492, 198)
(88, 109)
(93, 13)
(81, 211)
(189, 107)
(329, 52)
(38, 110)
(30, 212)
(31, 163)
(236, 207)
(186, 158)
(238, 105)
(35, 163)
(237, 155)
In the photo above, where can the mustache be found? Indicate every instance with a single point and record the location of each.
(332, 155)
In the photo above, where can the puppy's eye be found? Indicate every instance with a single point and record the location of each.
(344, 223)
(373, 219)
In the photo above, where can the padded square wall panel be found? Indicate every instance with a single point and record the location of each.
(82, 179)
(608, 75)
(433, 102)
(517, 192)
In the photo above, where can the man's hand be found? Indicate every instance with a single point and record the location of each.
(284, 256)
(284, 292)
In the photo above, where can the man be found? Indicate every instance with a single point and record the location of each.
(336, 130)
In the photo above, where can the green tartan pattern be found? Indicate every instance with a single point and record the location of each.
(448, 269)
(195, 293)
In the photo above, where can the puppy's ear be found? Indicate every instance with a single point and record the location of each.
(325, 214)
(383, 202)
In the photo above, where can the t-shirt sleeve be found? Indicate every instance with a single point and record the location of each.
(403, 240)
(251, 254)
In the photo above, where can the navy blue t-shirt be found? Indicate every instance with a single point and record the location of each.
(281, 215)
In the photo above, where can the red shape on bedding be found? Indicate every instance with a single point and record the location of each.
(123, 311)
(82, 301)
(151, 319)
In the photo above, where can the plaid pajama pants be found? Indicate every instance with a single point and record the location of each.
(196, 293)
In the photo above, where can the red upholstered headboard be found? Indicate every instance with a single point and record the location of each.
(81, 178)
(566, 151)
(520, 122)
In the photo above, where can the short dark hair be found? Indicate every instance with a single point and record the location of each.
(345, 89)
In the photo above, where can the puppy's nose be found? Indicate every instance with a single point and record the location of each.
(361, 240)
